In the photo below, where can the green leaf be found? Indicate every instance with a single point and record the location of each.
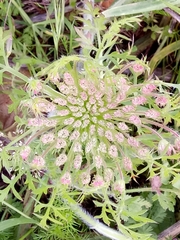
(13, 72)
(165, 175)
(142, 219)
(167, 200)
(174, 8)
(135, 207)
(136, 225)
(176, 182)
(11, 183)
(166, 51)
(16, 221)
(135, 8)
(4, 193)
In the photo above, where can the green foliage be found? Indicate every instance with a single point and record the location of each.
(119, 8)
(167, 200)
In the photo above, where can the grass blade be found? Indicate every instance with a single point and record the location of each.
(163, 53)
(14, 222)
(137, 8)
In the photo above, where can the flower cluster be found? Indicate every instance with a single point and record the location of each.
(90, 124)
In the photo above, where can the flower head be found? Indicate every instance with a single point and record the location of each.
(156, 184)
(108, 174)
(143, 152)
(66, 179)
(47, 138)
(148, 88)
(77, 161)
(61, 159)
(38, 162)
(140, 100)
(127, 163)
(119, 186)
(35, 86)
(85, 178)
(98, 161)
(68, 79)
(91, 121)
(135, 120)
(177, 144)
(138, 68)
(98, 181)
(164, 147)
(161, 101)
(133, 142)
(25, 152)
(113, 152)
(152, 114)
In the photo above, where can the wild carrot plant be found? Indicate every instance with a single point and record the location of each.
(95, 132)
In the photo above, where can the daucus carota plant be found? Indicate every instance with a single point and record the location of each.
(94, 118)
(95, 131)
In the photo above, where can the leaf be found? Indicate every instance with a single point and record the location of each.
(174, 8)
(167, 200)
(13, 72)
(16, 221)
(135, 207)
(4, 193)
(176, 182)
(136, 8)
(165, 174)
(11, 183)
(136, 225)
(147, 228)
(163, 53)
(143, 219)
(56, 65)
(5, 179)
(15, 209)
(156, 212)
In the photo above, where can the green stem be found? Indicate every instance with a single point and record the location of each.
(28, 203)
(27, 234)
(135, 78)
(161, 125)
(20, 137)
(149, 189)
(36, 135)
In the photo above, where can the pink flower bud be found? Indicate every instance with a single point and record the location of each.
(66, 179)
(85, 178)
(151, 113)
(68, 79)
(135, 120)
(38, 162)
(156, 184)
(138, 68)
(119, 186)
(161, 101)
(177, 144)
(148, 88)
(98, 181)
(164, 147)
(140, 100)
(25, 152)
(133, 142)
(113, 152)
(127, 163)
